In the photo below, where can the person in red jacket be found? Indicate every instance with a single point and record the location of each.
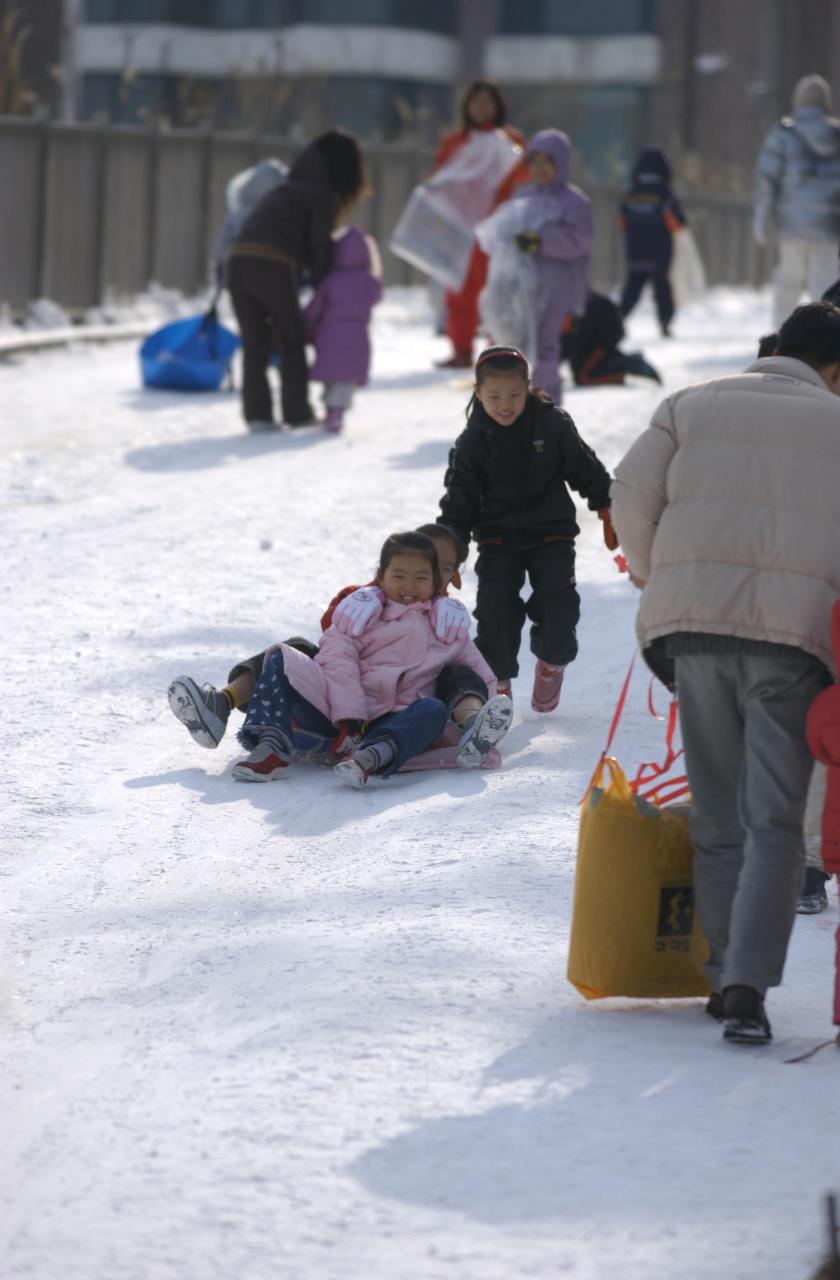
(483, 107)
(822, 729)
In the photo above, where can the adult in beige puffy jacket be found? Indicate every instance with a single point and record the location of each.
(728, 512)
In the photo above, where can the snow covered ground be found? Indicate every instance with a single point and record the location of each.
(297, 1031)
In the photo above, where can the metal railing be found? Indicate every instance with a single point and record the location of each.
(87, 211)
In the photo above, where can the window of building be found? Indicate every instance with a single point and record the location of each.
(576, 17)
(420, 15)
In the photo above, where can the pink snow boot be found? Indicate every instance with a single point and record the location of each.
(547, 684)
(334, 421)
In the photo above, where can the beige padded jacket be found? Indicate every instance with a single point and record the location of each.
(728, 507)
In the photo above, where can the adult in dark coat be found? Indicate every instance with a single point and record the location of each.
(649, 216)
(289, 232)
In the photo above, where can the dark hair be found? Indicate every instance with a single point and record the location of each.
(438, 530)
(811, 334)
(498, 360)
(495, 93)
(344, 163)
(413, 543)
(767, 345)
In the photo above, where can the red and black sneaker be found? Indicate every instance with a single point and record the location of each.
(264, 764)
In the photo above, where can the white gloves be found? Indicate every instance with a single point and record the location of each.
(355, 612)
(450, 619)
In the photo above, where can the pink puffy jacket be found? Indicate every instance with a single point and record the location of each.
(393, 663)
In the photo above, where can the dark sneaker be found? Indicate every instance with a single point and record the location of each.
(813, 899)
(488, 728)
(744, 1019)
(547, 684)
(264, 764)
(714, 1006)
(636, 363)
(204, 711)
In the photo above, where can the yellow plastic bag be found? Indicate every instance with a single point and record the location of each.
(634, 928)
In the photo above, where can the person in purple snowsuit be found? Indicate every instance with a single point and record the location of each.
(337, 322)
(559, 233)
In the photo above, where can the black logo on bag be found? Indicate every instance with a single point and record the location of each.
(676, 917)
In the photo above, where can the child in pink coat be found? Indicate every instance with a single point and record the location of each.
(337, 321)
(371, 694)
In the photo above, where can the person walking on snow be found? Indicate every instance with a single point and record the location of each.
(650, 215)
(505, 486)
(288, 232)
(727, 512)
(483, 108)
(337, 320)
(798, 193)
(548, 224)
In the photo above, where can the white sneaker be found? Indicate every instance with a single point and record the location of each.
(257, 426)
(489, 727)
(352, 774)
(264, 764)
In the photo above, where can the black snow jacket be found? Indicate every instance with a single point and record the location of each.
(296, 219)
(509, 483)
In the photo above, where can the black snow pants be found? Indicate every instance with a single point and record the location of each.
(265, 300)
(553, 606)
(663, 295)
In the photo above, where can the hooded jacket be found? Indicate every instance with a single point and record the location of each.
(338, 316)
(509, 483)
(726, 506)
(243, 193)
(798, 169)
(650, 213)
(294, 222)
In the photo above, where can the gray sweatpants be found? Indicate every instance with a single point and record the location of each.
(742, 718)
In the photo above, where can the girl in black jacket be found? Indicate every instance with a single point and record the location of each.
(506, 488)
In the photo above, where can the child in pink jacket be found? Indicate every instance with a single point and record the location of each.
(371, 694)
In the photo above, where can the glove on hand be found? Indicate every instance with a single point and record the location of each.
(529, 241)
(450, 619)
(355, 612)
(610, 536)
(349, 736)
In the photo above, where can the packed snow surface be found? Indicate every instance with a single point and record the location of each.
(299, 1031)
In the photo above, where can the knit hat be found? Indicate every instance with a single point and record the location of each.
(812, 91)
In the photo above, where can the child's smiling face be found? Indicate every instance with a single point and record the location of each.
(408, 578)
(502, 396)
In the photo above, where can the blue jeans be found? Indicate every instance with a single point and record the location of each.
(276, 704)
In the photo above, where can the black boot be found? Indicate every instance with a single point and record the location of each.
(744, 1019)
(813, 897)
(636, 363)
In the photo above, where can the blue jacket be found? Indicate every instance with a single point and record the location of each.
(650, 214)
(798, 177)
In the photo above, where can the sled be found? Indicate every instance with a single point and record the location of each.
(188, 355)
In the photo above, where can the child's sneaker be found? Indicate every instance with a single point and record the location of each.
(264, 764)
(547, 683)
(204, 711)
(351, 773)
(334, 421)
(488, 728)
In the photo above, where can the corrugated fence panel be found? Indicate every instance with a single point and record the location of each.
(127, 221)
(73, 207)
(22, 160)
(85, 210)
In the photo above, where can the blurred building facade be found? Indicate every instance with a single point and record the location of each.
(704, 78)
